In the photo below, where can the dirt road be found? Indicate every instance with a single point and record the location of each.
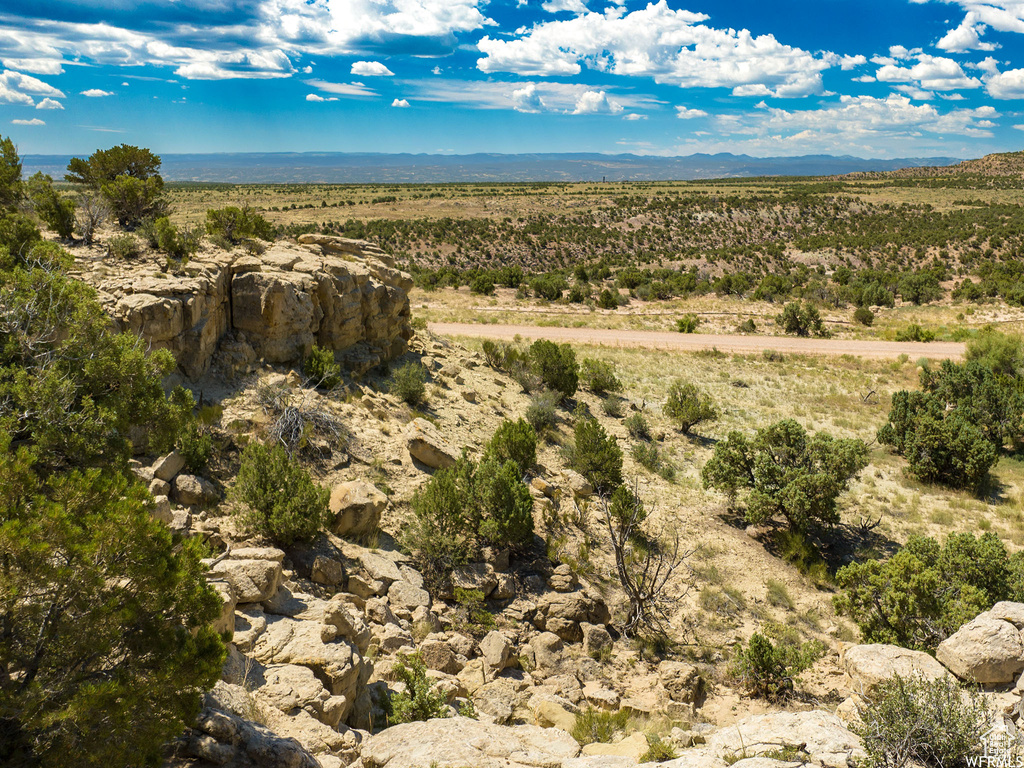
(691, 342)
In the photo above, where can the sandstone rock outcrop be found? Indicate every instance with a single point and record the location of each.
(344, 295)
(985, 650)
(868, 665)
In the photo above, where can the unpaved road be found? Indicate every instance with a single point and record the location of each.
(691, 342)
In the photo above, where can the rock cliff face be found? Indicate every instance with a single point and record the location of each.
(341, 294)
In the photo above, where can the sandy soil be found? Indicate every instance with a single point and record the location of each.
(691, 342)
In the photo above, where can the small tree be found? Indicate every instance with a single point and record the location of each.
(644, 564)
(233, 225)
(440, 532)
(129, 179)
(788, 472)
(596, 455)
(801, 320)
(599, 376)
(420, 700)
(321, 369)
(56, 211)
(286, 505)
(408, 383)
(688, 406)
(178, 243)
(504, 506)
(770, 669)
(514, 441)
(93, 211)
(556, 365)
(687, 323)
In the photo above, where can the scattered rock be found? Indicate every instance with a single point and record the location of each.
(166, 467)
(161, 510)
(821, 734)
(683, 682)
(563, 579)
(479, 576)
(547, 650)
(458, 742)
(404, 596)
(438, 655)
(427, 446)
(597, 640)
(194, 491)
(357, 506)
(496, 650)
(252, 581)
(868, 665)
(986, 650)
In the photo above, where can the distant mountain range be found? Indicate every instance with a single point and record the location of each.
(341, 168)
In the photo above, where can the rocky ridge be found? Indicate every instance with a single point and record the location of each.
(231, 308)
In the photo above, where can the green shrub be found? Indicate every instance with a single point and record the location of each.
(599, 376)
(321, 369)
(408, 383)
(420, 700)
(178, 244)
(688, 406)
(864, 316)
(195, 446)
(770, 669)
(637, 427)
(514, 441)
(56, 211)
(440, 533)
(472, 614)
(687, 323)
(128, 178)
(647, 455)
(504, 506)
(596, 456)
(482, 285)
(801, 320)
(608, 300)
(747, 326)
(596, 726)
(788, 472)
(914, 332)
(232, 225)
(924, 592)
(286, 504)
(1001, 353)
(658, 750)
(612, 406)
(124, 246)
(542, 411)
(556, 365)
(922, 721)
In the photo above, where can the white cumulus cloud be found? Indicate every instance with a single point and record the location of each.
(96, 93)
(33, 121)
(371, 69)
(685, 113)
(528, 99)
(670, 46)
(596, 103)
(931, 73)
(402, 103)
(318, 98)
(573, 6)
(49, 103)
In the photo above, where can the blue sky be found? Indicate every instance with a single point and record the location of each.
(872, 78)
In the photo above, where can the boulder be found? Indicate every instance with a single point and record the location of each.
(821, 734)
(868, 665)
(392, 638)
(341, 621)
(166, 467)
(338, 663)
(601, 697)
(496, 700)
(597, 641)
(496, 650)
(1007, 611)
(356, 507)
(552, 711)
(458, 742)
(478, 576)
(380, 568)
(547, 650)
(985, 650)
(252, 581)
(683, 682)
(633, 746)
(438, 655)
(161, 510)
(288, 687)
(194, 491)
(225, 623)
(426, 445)
(563, 579)
(578, 484)
(404, 596)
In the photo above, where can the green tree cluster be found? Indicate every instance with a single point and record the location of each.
(129, 179)
(952, 430)
(687, 406)
(801, 320)
(233, 225)
(786, 472)
(106, 646)
(925, 592)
